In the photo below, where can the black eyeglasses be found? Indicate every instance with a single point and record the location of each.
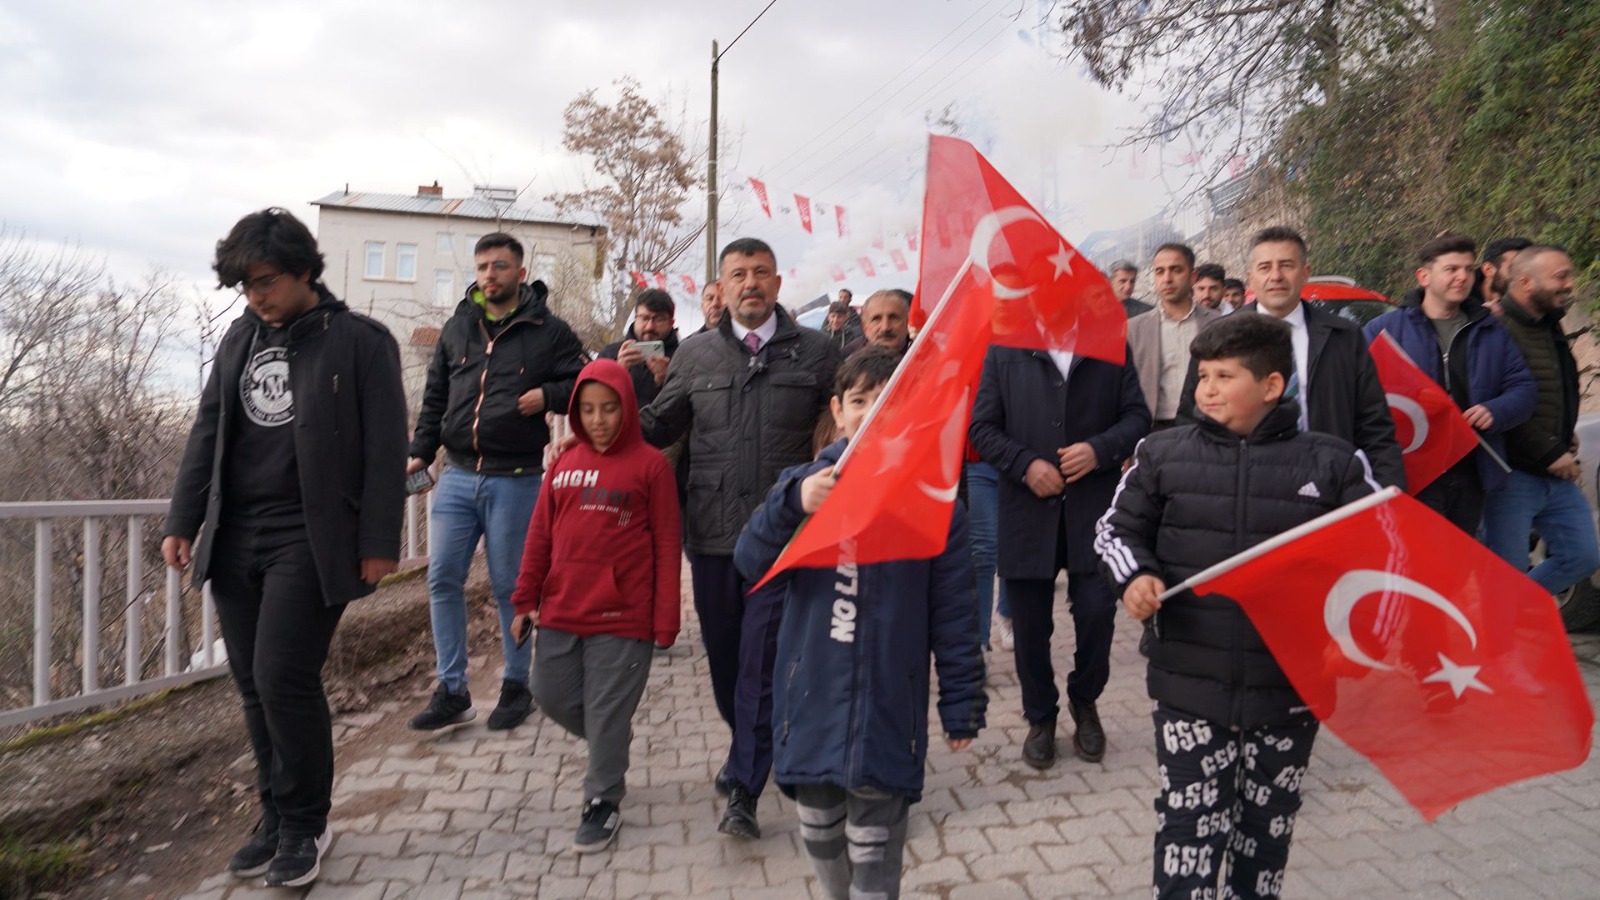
(258, 285)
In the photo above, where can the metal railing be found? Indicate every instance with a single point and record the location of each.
(101, 678)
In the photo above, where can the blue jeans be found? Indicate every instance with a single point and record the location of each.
(1556, 509)
(466, 507)
(983, 527)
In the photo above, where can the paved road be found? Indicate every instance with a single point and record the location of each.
(475, 815)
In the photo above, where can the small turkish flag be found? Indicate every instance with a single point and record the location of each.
(1432, 432)
(839, 217)
(899, 260)
(897, 481)
(688, 283)
(761, 194)
(837, 273)
(994, 246)
(804, 206)
(1445, 667)
(639, 279)
(867, 268)
(661, 280)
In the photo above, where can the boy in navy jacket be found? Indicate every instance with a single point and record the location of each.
(851, 687)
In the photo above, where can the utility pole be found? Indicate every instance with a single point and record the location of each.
(711, 177)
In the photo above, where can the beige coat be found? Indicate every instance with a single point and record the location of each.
(1144, 340)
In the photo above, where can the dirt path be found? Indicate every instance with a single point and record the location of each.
(149, 804)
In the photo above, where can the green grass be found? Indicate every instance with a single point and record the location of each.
(26, 869)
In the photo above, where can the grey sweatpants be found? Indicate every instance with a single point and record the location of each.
(855, 838)
(591, 686)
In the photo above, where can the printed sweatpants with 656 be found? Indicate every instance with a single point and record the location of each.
(1225, 813)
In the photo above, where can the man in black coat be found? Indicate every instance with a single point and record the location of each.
(653, 313)
(1057, 427)
(747, 393)
(1336, 381)
(293, 478)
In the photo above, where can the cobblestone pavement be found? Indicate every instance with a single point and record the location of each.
(475, 815)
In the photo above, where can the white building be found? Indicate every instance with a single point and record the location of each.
(406, 260)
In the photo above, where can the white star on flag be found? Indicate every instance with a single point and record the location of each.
(1459, 677)
(1063, 260)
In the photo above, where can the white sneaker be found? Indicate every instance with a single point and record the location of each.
(1008, 639)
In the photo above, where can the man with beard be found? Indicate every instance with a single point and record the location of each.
(652, 321)
(1542, 490)
(1159, 340)
(1446, 331)
(748, 394)
(503, 360)
(1494, 274)
(1210, 282)
(293, 478)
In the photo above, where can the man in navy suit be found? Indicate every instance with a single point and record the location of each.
(1057, 428)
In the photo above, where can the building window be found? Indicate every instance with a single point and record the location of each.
(374, 259)
(441, 242)
(405, 262)
(472, 244)
(544, 267)
(444, 287)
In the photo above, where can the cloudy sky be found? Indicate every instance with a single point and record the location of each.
(142, 131)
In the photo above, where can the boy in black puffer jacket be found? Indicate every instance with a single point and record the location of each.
(850, 693)
(1232, 735)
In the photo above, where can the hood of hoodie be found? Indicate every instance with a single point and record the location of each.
(531, 303)
(609, 373)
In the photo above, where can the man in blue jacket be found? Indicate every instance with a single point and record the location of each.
(851, 693)
(1450, 335)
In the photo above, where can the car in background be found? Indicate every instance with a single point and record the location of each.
(1345, 299)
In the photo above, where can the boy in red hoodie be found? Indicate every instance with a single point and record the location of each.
(600, 581)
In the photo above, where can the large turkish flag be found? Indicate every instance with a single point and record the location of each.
(998, 272)
(1432, 432)
(1423, 651)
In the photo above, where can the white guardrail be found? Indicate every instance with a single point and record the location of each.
(178, 665)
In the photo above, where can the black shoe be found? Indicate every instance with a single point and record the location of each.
(740, 818)
(444, 710)
(1039, 749)
(252, 859)
(516, 702)
(299, 860)
(1090, 739)
(601, 822)
(721, 782)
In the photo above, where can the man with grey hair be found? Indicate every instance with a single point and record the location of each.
(1123, 276)
(885, 321)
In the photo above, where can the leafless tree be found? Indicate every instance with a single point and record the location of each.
(644, 173)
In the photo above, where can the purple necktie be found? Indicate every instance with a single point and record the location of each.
(753, 341)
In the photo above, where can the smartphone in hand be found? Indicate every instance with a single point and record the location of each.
(523, 632)
(418, 481)
(650, 349)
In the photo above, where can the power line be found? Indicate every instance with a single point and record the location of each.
(746, 28)
(828, 133)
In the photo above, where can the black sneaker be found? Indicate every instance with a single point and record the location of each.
(739, 819)
(516, 702)
(299, 860)
(252, 859)
(444, 710)
(601, 822)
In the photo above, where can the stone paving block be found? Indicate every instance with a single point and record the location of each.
(406, 869)
(325, 891)
(437, 891)
(947, 871)
(355, 784)
(994, 890)
(1014, 861)
(1358, 879)
(217, 894)
(425, 765)
(388, 843)
(338, 867)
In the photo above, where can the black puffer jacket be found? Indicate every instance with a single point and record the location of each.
(1195, 496)
(1540, 441)
(748, 418)
(470, 403)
